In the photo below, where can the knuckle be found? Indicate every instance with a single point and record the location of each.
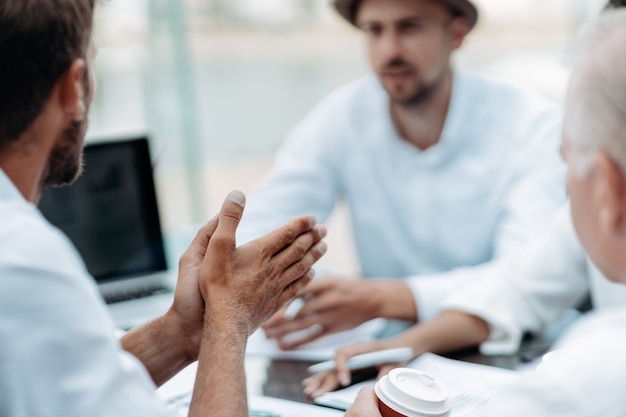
(299, 269)
(233, 211)
(222, 240)
(184, 258)
(288, 233)
(299, 251)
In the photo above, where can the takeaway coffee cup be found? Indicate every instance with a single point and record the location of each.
(408, 392)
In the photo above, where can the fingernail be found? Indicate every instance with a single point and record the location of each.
(237, 197)
(311, 273)
(321, 231)
(322, 247)
(344, 379)
(316, 328)
(312, 221)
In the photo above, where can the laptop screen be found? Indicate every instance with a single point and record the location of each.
(110, 213)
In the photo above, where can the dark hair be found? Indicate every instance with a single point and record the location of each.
(39, 40)
(615, 4)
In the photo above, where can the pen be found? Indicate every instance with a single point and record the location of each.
(366, 360)
(294, 308)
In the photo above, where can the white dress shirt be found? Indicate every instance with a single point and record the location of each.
(532, 290)
(585, 377)
(436, 217)
(58, 352)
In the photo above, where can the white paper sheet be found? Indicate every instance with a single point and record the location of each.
(319, 350)
(177, 394)
(472, 387)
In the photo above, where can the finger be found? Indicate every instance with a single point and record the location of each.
(308, 335)
(314, 382)
(280, 238)
(317, 287)
(297, 249)
(330, 384)
(344, 354)
(320, 384)
(385, 369)
(198, 246)
(279, 330)
(296, 285)
(325, 301)
(276, 318)
(302, 267)
(223, 239)
(365, 404)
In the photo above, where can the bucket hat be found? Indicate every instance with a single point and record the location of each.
(347, 9)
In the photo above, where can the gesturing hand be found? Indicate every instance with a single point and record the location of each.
(188, 305)
(332, 304)
(243, 286)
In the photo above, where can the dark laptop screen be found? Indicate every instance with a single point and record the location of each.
(110, 213)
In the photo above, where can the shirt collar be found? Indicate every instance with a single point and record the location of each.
(454, 118)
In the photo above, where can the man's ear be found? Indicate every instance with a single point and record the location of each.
(459, 28)
(610, 192)
(72, 90)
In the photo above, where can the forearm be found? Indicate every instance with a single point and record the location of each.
(160, 346)
(429, 291)
(449, 331)
(220, 387)
(396, 300)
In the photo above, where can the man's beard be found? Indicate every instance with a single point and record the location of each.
(419, 93)
(65, 163)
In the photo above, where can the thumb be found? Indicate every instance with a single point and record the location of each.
(229, 217)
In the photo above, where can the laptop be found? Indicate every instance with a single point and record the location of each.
(111, 215)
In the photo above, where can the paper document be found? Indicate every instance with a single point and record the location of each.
(472, 387)
(261, 406)
(321, 349)
(283, 408)
(176, 393)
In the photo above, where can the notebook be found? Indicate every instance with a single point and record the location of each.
(111, 215)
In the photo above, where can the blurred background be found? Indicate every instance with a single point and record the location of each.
(217, 84)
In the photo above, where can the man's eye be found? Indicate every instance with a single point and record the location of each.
(410, 27)
(372, 31)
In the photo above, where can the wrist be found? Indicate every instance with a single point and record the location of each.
(395, 300)
(188, 336)
(225, 327)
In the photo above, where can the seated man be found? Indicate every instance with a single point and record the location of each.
(444, 172)
(588, 372)
(58, 352)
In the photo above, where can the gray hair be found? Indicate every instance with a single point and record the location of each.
(596, 103)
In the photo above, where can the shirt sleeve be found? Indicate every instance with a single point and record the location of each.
(584, 377)
(303, 181)
(526, 293)
(58, 352)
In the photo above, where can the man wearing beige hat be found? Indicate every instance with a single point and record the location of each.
(586, 374)
(445, 173)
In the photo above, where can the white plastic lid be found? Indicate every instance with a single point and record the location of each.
(413, 393)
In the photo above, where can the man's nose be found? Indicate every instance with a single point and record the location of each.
(390, 46)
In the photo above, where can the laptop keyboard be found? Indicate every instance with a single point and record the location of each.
(136, 293)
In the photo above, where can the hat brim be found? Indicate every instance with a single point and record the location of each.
(347, 9)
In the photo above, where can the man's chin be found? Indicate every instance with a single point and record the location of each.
(401, 93)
